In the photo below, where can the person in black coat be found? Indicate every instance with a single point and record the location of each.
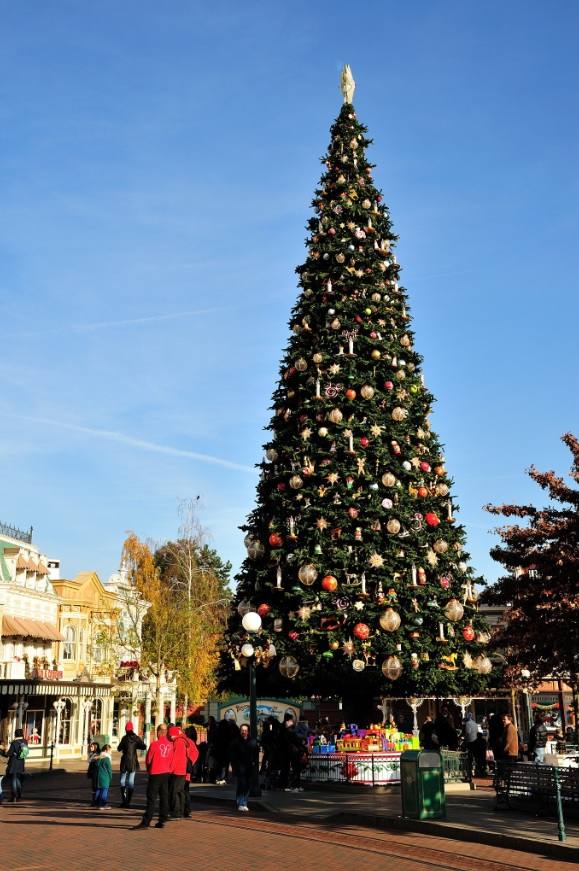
(129, 745)
(445, 729)
(243, 753)
(16, 753)
(428, 737)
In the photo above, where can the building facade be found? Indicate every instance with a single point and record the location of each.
(70, 668)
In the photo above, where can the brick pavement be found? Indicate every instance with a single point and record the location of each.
(38, 836)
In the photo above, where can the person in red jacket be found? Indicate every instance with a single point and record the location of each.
(159, 761)
(184, 752)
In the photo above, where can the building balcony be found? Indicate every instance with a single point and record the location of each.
(13, 670)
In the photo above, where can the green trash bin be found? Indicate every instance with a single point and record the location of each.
(422, 785)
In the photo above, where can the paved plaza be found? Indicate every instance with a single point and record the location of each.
(53, 828)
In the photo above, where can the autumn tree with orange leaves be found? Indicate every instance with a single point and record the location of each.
(539, 630)
(178, 605)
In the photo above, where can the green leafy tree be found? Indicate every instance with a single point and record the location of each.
(355, 559)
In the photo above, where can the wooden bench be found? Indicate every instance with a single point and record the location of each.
(535, 782)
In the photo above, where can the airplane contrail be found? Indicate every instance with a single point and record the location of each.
(131, 441)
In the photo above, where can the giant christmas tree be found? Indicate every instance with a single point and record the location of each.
(355, 561)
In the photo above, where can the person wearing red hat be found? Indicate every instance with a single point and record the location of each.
(129, 744)
(184, 752)
(159, 761)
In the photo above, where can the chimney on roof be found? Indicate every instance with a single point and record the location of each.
(53, 566)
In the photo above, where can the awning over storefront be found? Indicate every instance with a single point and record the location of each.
(53, 688)
(25, 627)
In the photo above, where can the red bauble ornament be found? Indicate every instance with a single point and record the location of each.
(361, 631)
(353, 512)
(424, 466)
(350, 394)
(389, 385)
(468, 633)
(422, 492)
(332, 231)
(364, 441)
(292, 371)
(293, 635)
(329, 583)
(263, 609)
(275, 540)
(359, 319)
(432, 519)
(444, 582)
(281, 486)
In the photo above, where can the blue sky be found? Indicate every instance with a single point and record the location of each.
(157, 166)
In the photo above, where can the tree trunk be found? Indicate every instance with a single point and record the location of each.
(160, 708)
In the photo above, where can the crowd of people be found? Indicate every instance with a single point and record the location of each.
(228, 752)
(495, 738)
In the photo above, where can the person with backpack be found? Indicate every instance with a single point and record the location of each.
(104, 778)
(94, 752)
(17, 755)
(129, 744)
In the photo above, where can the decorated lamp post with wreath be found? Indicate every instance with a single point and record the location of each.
(355, 560)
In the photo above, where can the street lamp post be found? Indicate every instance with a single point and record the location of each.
(252, 624)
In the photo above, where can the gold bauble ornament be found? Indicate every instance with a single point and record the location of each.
(335, 415)
(375, 354)
(392, 668)
(393, 526)
(301, 364)
(400, 375)
(288, 667)
(271, 454)
(399, 413)
(454, 610)
(388, 479)
(308, 574)
(441, 490)
(366, 204)
(334, 645)
(390, 620)
(296, 482)
(318, 358)
(323, 431)
(376, 297)
(255, 549)
(367, 391)
(405, 341)
(340, 258)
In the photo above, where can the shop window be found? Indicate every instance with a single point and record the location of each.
(65, 723)
(96, 718)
